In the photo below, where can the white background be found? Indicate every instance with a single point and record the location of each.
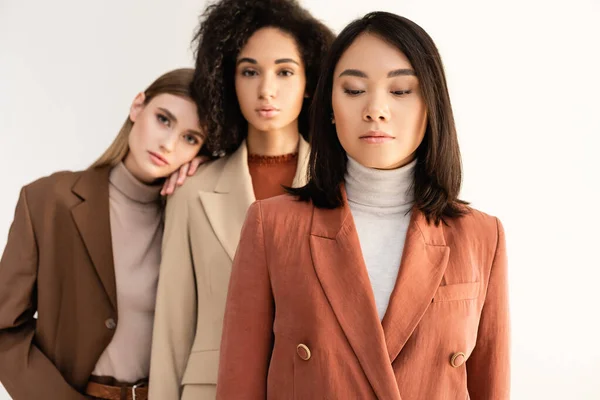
(524, 83)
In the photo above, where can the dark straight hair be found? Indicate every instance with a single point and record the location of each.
(438, 174)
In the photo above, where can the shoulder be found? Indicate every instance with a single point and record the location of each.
(52, 186)
(474, 220)
(52, 194)
(204, 179)
(284, 211)
(285, 204)
(475, 227)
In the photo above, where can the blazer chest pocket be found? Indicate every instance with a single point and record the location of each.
(202, 368)
(457, 291)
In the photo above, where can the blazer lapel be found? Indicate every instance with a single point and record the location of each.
(301, 177)
(226, 205)
(340, 267)
(423, 264)
(92, 218)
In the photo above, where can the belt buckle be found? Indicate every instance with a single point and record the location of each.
(133, 395)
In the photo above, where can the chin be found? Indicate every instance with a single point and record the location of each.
(378, 162)
(152, 172)
(376, 165)
(266, 126)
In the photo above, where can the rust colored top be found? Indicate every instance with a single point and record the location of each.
(270, 173)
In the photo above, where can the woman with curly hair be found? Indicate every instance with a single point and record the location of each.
(256, 71)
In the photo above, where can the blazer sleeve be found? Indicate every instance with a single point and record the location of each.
(247, 340)
(488, 367)
(176, 304)
(25, 371)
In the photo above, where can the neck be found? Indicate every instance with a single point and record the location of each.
(387, 191)
(131, 187)
(273, 143)
(133, 168)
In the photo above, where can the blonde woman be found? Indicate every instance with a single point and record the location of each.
(84, 251)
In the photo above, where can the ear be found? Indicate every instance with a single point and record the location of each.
(306, 95)
(137, 106)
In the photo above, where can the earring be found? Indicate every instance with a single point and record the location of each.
(332, 119)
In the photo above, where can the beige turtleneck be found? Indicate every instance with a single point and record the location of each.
(136, 220)
(380, 202)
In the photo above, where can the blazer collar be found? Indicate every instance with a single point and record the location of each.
(340, 267)
(226, 205)
(301, 176)
(92, 218)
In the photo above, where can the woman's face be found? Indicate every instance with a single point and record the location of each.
(270, 81)
(165, 135)
(379, 112)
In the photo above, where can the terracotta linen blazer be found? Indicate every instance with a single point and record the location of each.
(301, 321)
(203, 221)
(58, 262)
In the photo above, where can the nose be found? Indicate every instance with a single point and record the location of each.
(169, 142)
(376, 109)
(268, 87)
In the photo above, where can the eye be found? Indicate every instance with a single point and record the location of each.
(191, 139)
(249, 72)
(285, 72)
(401, 92)
(353, 92)
(163, 119)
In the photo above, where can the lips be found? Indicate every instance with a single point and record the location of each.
(268, 108)
(157, 159)
(377, 134)
(376, 137)
(267, 111)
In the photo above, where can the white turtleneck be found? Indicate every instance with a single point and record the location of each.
(380, 202)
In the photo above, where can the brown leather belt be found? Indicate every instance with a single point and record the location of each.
(108, 392)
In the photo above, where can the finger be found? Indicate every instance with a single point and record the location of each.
(183, 173)
(172, 183)
(163, 191)
(196, 162)
(194, 166)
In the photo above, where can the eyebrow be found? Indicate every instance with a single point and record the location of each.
(402, 72)
(174, 119)
(391, 74)
(169, 114)
(278, 61)
(286, 60)
(353, 72)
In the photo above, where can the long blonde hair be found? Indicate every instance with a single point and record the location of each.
(177, 82)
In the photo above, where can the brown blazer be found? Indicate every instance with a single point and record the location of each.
(301, 321)
(57, 262)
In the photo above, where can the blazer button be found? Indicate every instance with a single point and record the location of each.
(110, 323)
(303, 351)
(458, 359)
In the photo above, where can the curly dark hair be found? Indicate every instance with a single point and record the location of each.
(224, 29)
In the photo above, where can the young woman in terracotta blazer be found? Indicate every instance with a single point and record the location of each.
(83, 252)
(374, 281)
(256, 69)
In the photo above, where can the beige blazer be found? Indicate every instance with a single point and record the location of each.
(204, 219)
